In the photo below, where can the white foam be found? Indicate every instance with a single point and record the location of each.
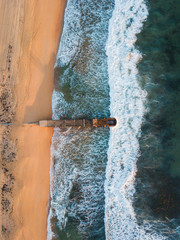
(83, 167)
(127, 105)
(61, 179)
(67, 47)
(62, 184)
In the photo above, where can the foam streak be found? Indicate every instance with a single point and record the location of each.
(127, 105)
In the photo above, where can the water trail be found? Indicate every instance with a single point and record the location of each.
(127, 105)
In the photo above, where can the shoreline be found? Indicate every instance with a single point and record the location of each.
(34, 30)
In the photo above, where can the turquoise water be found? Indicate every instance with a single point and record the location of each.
(117, 58)
(81, 91)
(158, 175)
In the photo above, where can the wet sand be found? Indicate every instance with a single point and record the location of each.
(29, 38)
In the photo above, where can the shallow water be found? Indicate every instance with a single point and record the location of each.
(82, 91)
(117, 58)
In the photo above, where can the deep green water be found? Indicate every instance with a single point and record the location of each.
(158, 176)
(82, 90)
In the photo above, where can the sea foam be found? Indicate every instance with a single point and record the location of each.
(77, 178)
(127, 105)
(80, 155)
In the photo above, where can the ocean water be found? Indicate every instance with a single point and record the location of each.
(117, 58)
(158, 176)
(80, 155)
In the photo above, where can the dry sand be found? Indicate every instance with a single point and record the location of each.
(29, 38)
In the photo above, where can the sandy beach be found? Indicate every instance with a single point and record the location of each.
(29, 38)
